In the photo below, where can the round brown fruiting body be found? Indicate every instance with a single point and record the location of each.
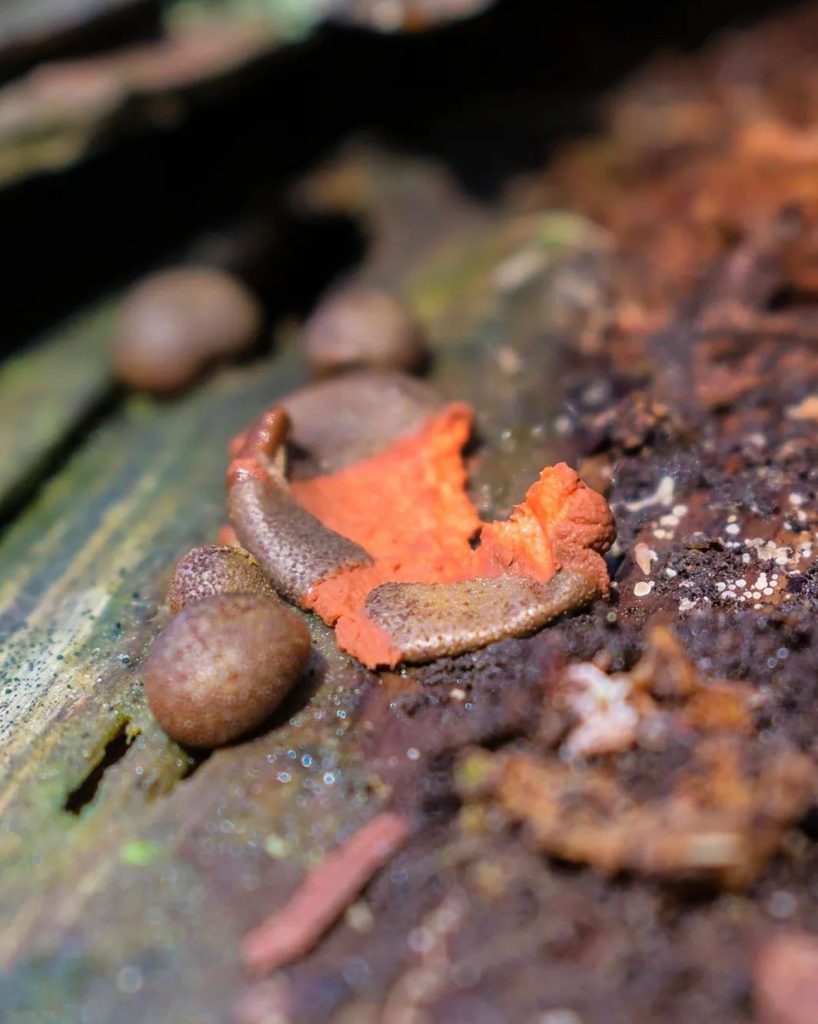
(216, 569)
(222, 666)
(175, 323)
(356, 329)
(338, 421)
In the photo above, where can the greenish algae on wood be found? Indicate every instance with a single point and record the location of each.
(132, 498)
(132, 908)
(47, 392)
(84, 572)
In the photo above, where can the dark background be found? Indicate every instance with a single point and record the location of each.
(489, 96)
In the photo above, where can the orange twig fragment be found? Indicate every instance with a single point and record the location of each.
(324, 894)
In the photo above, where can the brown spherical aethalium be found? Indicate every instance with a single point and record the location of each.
(362, 329)
(222, 666)
(216, 569)
(175, 323)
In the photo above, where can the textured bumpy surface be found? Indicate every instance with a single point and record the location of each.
(223, 665)
(293, 548)
(422, 621)
(214, 569)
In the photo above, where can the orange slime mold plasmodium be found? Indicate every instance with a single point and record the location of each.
(407, 508)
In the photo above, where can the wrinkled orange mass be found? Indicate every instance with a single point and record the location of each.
(407, 507)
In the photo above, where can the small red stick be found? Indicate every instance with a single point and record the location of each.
(324, 894)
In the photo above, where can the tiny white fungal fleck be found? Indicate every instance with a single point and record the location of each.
(562, 425)
(663, 495)
(644, 557)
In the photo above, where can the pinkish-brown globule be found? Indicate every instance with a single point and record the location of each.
(223, 665)
(363, 328)
(175, 323)
(216, 569)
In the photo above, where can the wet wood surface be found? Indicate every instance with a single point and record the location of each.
(127, 863)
